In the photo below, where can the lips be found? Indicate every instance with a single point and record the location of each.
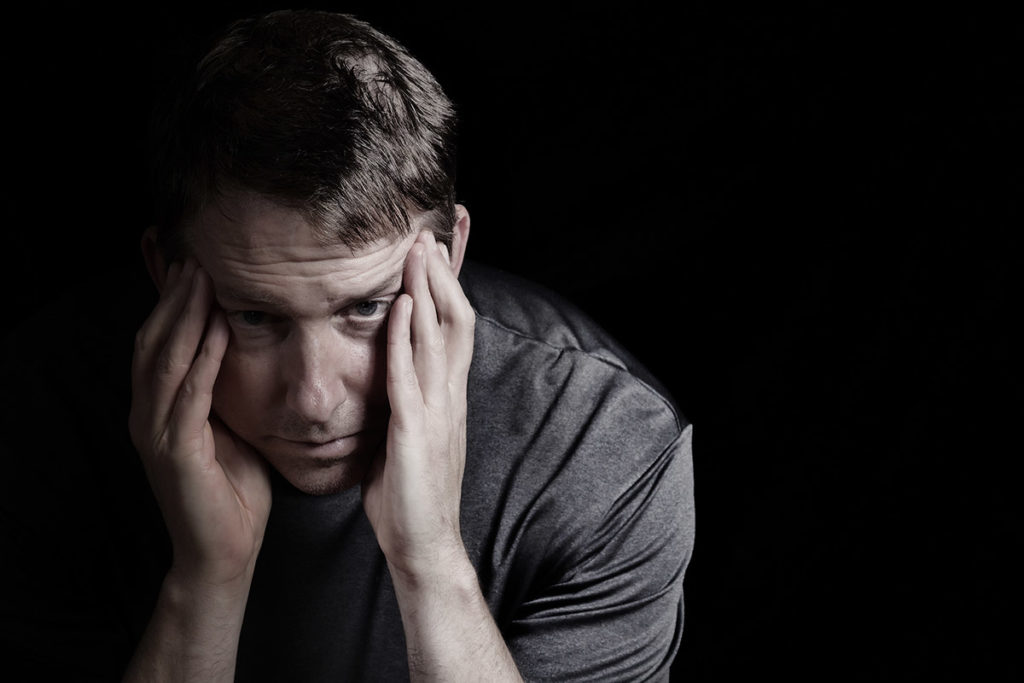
(336, 448)
(313, 442)
(321, 440)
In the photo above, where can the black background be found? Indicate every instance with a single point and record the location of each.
(804, 220)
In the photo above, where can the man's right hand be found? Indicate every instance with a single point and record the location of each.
(212, 488)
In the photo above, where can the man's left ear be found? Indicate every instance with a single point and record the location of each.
(460, 236)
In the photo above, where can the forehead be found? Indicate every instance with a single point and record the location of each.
(251, 245)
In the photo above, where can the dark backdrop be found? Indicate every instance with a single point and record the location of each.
(804, 220)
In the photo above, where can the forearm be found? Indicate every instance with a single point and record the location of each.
(449, 631)
(193, 633)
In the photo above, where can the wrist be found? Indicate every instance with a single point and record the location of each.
(196, 590)
(193, 632)
(217, 576)
(446, 583)
(449, 630)
(446, 570)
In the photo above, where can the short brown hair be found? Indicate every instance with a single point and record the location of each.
(316, 111)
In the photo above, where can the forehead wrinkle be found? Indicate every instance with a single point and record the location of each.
(270, 256)
(250, 288)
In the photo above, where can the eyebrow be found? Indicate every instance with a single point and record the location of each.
(260, 297)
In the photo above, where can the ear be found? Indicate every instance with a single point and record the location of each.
(154, 259)
(460, 236)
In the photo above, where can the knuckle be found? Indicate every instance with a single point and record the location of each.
(462, 319)
(167, 365)
(436, 345)
(405, 379)
(188, 390)
(164, 445)
(465, 315)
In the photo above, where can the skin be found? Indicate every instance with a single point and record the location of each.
(336, 367)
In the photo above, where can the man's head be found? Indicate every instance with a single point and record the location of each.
(318, 112)
(297, 166)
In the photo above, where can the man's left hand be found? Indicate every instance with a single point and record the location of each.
(412, 495)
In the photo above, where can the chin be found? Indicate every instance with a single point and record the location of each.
(324, 470)
(318, 480)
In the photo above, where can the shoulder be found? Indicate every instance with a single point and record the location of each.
(528, 327)
(577, 461)
(561, 414)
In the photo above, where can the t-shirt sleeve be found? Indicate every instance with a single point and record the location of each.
(579, 492)
(616, 612)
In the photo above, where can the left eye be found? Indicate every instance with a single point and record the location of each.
(367, 309)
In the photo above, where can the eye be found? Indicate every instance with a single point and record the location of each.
(253, 317)
(368, 309)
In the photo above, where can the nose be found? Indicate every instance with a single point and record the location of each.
(314, 368)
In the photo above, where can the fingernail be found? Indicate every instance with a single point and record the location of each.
(444, 252)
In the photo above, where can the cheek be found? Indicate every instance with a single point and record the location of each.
(242, 369)
(242, 375)
(364, 369)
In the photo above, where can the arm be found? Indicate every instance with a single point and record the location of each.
(193, 633)
(213, 490)
(413, 495)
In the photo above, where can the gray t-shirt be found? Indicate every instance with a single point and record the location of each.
(577, 510)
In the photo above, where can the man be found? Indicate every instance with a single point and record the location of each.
(373, 459)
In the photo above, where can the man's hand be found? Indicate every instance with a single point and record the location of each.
(413, 494)
(212, 488)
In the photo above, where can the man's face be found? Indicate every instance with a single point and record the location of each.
(303, 377)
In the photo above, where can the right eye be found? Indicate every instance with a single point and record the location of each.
(253, 318)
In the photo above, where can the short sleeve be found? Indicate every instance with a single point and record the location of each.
(617, 613)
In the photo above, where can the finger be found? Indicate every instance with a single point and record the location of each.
(195, 396)
(454, 312)
(183, 342)
(429, 354)
(152, 336)
(402, 383)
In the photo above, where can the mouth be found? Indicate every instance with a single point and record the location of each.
(315, 443)
(331, 449)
